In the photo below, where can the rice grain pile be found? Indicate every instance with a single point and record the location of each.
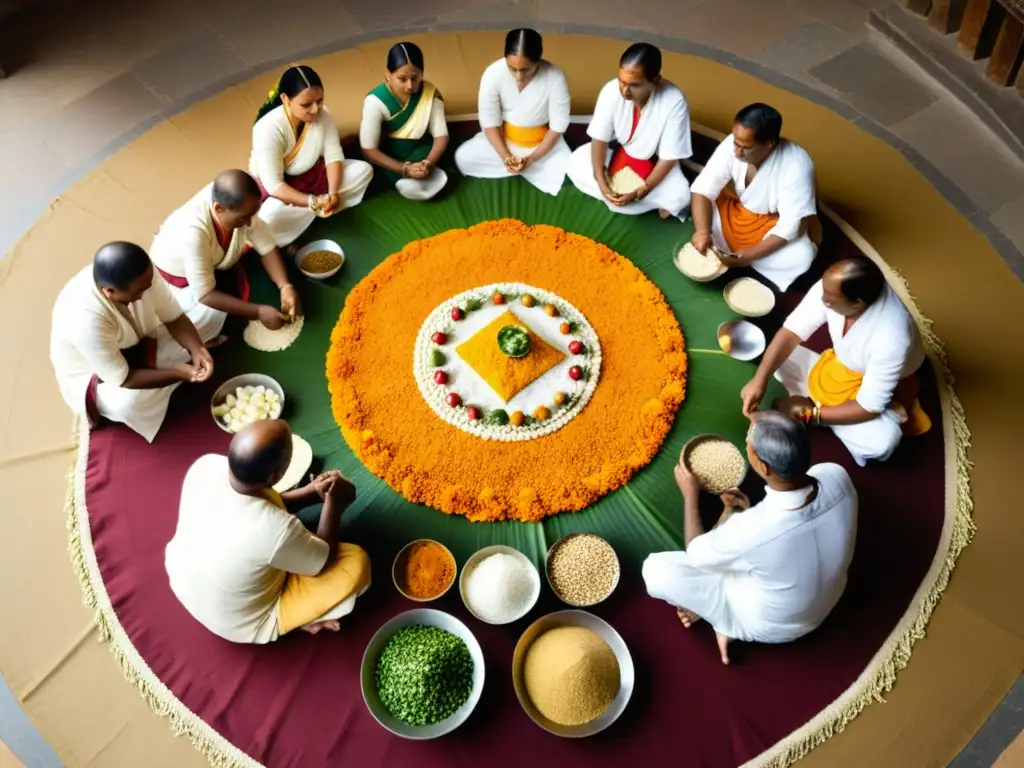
(699, 266)
(749, 297)
(571, 675)
(717, 464)
(258, 336)
(583, 569)
(318, 262)
(501, 588)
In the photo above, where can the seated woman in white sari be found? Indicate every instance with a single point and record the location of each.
(649, 119)
(773, 572)
(297, 158)
(404, 133)
(200, 248)
(524, 110)
(121, 344)
(864, 388)
(755, 198)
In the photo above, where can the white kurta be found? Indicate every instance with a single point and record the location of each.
(784, 184)
(186, 246)
(663, 130)
(272, 140)
(231, 554)
(544, 101)
(87, 337)
(375, 114)
(770, 574)
(884, 345)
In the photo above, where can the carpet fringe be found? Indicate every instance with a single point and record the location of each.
(877, 680)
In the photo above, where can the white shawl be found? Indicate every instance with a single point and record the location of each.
(544, 101)
(663, 130)
(273, 147)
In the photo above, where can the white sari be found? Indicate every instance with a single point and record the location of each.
(543, 102)
(276, 154)
(783, 185)
(663, 131)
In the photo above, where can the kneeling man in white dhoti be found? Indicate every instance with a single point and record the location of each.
(770, 573)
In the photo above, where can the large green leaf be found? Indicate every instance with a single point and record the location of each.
(638, 519)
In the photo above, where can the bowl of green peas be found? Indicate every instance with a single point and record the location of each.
(422, 674)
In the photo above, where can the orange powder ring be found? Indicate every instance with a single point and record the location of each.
(427, 570)
(386, 423)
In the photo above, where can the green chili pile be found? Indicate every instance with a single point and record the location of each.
(424, 674)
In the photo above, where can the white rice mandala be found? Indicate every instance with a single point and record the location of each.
(258, 336)
(575, 377)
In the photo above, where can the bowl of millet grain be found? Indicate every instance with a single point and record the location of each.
(718, 465)
(582, 569)
(320, 259)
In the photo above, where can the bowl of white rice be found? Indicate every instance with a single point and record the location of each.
(246, 399)
(499, 585)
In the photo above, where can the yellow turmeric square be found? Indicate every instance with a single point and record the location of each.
(508, 376)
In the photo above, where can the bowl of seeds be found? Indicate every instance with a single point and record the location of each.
(320, 259)
(717, 464)
(582, 569)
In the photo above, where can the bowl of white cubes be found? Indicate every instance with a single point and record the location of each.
(246, 399)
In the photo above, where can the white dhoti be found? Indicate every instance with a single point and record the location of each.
(287, 222)
(782, 267)
(143, 409)
(875, 439)
(422, 189)
(209, 322)
(672, 194)
(668, 577)
(477, 158)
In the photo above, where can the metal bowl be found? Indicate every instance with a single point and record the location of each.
(477, 558)
(551, 583)
(245, 380)
(319, 245)
(403, 553)
(693, 441)
(744, 310)
(747, 341)
(697, 279)
(368, 682)
(615, 642)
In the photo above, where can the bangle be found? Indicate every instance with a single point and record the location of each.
(817, 414)
(286, 285)
(405, 170)
(311, 202)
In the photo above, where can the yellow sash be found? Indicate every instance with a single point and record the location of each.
(420, 117)
(830, 383)
(524, 137)
(298, 142)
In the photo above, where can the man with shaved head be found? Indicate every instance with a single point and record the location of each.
(242, 564)
(199, 251)
(864, 388)
(120, 343)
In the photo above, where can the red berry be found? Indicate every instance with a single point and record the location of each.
(440, 377)
(453, 400)
(458, 314)
(440, 338)
(575, 347)
(473, 413)
(575, 373)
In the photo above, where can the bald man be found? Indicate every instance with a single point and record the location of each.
(120, 343)
(864, 388)
(241, 562)
(199, 251)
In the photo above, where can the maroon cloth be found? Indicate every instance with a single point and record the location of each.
(312, 182)
(234, 281)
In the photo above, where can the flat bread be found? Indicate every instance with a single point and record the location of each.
(697, 265)
(625, 180)
(302, 459)
(749, 297)
(258, 336)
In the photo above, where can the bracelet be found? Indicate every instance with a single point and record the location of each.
(311, 202)
(405, 170)
(816, 414)
(286, 285)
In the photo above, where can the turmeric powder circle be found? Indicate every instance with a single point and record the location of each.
(386, 422)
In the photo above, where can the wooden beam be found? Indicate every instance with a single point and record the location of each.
(1007, 53)
(947, 15)
(979, 29)
(920, 7)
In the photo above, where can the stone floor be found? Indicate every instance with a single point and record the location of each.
(84, 78)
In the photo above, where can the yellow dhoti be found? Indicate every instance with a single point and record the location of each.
(306, 598)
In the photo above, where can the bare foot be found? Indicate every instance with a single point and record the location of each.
(664, 214)
(688, 618)
(723, 647)
(332, 625)
(214, 343)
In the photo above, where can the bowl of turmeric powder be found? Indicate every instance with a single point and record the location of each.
(424, 570)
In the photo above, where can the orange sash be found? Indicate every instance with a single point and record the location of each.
(742, 228)
(831, 383)
(524, 137)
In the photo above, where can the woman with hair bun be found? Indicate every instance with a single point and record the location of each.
(297, 157)
(403, 132)
(524, 110)
(649, 120)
